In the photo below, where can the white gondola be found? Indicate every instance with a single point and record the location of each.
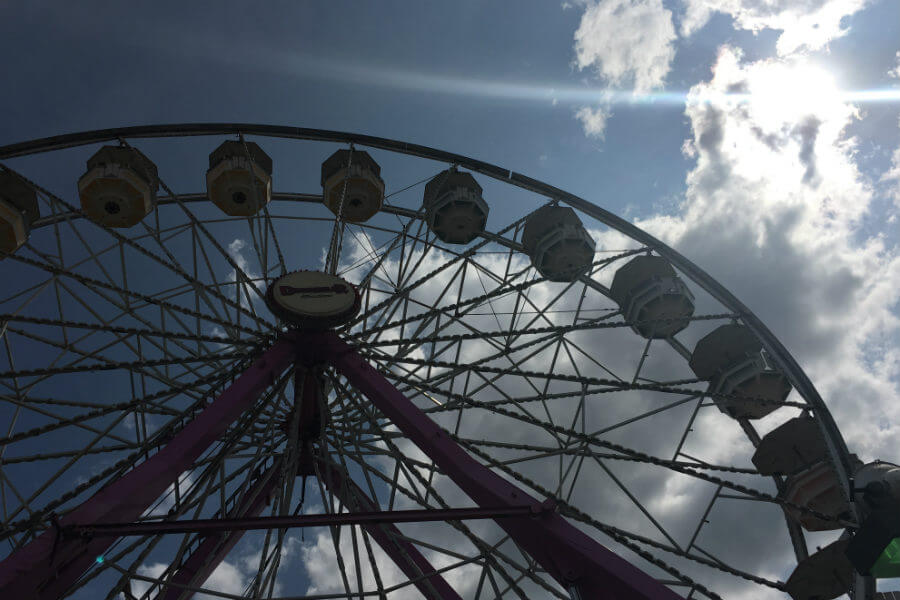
(877, 485)
(732, 359)
(818, 488)
(239, 179)
(875, 547)
(559, 246)
(824, 575)
(795, 444)
(652, 298)
(18, 210)
(119, 187)
(352, 184)
(455, 211)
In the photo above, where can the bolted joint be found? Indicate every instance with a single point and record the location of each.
(572, 575)
(545, 508)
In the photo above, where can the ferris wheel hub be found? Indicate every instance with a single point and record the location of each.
(313, 299)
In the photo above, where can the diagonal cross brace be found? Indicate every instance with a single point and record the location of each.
(571, 557)
(197, 567)
(404, 553)
(46, 567)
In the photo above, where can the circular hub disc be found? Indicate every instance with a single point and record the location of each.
(313, 299)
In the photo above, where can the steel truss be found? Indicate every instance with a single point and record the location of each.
(48, 566)
(374, 373)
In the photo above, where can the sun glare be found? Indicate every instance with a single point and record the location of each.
(790, 92)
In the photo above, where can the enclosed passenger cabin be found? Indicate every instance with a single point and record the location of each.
(875, 547)
(119, 187)
(653, 299)
(818, 488)
(823, 575)
(793, 445)
(732, 359)
(18, 210)
(455, 211)
(877, 485)
(559, 246)
(352, 184)
(239, 179)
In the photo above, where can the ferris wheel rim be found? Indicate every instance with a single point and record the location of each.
(780, 355)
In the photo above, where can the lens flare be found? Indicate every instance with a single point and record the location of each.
(556, 93)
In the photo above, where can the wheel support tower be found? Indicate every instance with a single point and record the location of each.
(864, 587)
(46, 567)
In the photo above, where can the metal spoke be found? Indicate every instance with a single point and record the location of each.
(114, 339)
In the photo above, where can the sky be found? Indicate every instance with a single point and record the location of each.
(759, 139)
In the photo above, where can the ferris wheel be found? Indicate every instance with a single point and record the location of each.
(455, 380)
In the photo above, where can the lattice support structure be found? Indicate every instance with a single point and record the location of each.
(214, 548)
(403, 552)
(572, 558)
(48, 566)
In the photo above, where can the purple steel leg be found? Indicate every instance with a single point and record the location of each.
(46, 567)
(194, 571)
(403, 552)
(575, 560)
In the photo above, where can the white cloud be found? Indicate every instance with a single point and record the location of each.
(593, 120)
(237, 251)
(227, 578)
(320, 560)
(167, 501)
(892, 175)
(155, 570)
(895, 72)
(773, 209)
(892, 178)
(232, 575)
(811, 24)
(626, 42)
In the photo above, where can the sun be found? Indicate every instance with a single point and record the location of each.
(790, 92)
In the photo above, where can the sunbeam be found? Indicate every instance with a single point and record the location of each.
(795, 78)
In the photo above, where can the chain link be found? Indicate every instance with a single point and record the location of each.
(642, 457)
(161, 437)
(612, 383)
(132, 244)
(106, 410)
(575, 451)
(89, 281)
(474, 300)
(130, 365)
(538, 330)
(136, 331)
(615, 532)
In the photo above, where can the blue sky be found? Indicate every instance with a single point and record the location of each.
(603, 98)
(418, 72)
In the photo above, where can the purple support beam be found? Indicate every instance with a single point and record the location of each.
(46, 567)
(194, 571)
(404, 553)
(571, 557)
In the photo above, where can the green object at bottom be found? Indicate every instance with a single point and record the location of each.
(888, 564)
